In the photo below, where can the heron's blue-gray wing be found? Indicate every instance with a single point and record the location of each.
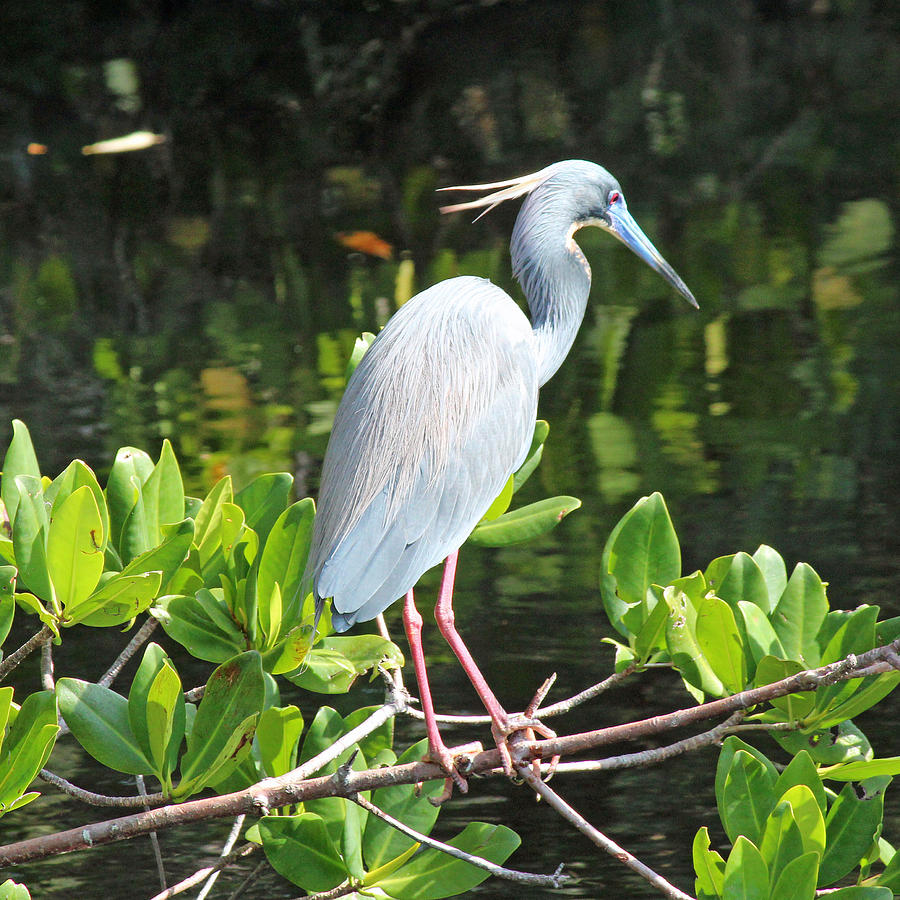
(434, 420)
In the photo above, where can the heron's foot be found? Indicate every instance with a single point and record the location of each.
(521, 723)
(456, 764)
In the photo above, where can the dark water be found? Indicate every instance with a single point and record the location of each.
(199, 291)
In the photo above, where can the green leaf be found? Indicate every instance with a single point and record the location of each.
(360, 346)
(802, 770)
(166, 716)
(782, 839)
(225, 720)
(800, 613)
(77, 474)
(708, 866)
(747, 797)
(30, 538)
(652, 635)
(844, 743)
(774, 571)
(738, 578)
(201, 624)
(856, 771)
(163, 493)
(798, 880)
(151, 664)
(325, 729)
(720, 643)
(337, 661)
(890, 876)
(759, 633)
(808, 817)
(861, 893)
(74, 548)
(432, 875)
(7, 600)
(746, 873)
(325, 672)
(641, 550)
(156, 712)
(794, 706)
(535, 452)
(730, 747)
(208, 522)
(501, 502)
(851, 825)
(681, 635)
(351, 840)
(98, 717)
(381, 842)
(375, 742)
(866, 695)
(524, 523)
(168, 556)
(277, 734)
(282, 562)
(130, 470)
(299, 849)
(119, 600)
(263, 501)
(27, 747)
(10, 890)
(291, 650)
(138, 532)
(20, 459)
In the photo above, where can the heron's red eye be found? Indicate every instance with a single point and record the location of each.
(614, 197)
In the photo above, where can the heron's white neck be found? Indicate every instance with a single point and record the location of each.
(556, 279)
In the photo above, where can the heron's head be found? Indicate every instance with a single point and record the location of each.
(567, 196)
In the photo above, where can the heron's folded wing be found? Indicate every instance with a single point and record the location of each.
(392, 544)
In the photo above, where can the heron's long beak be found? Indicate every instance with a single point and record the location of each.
(622, 225)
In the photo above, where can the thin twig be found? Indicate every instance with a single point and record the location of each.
(397, 674)
(139, 639)
(597, 837)
(344, 888)
(201, 874)
(28, 647)
(227, 847)
(154, 837)
(195, 694)
(47, 681)
(555, 709)
(563, 706)
(657, 754)
(396, 703)
(93, 799)
(251, 875)
(557, 879)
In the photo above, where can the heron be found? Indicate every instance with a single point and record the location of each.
(441, 410)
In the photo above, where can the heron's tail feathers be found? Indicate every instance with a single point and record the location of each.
(500, 191)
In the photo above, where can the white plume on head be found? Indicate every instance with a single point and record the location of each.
(508, 190)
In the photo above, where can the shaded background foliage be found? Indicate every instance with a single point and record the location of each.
(197, 290)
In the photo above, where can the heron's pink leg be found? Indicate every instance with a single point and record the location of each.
(446, 620)
(437, 750)
(502, 726)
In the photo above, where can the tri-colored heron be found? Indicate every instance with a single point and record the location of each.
(441, 410)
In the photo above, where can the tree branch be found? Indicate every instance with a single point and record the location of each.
(557, 879)
(201, 874)
(137, 641)
(597, 837)
(28, 647)
(93, 799)
(293, 788)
